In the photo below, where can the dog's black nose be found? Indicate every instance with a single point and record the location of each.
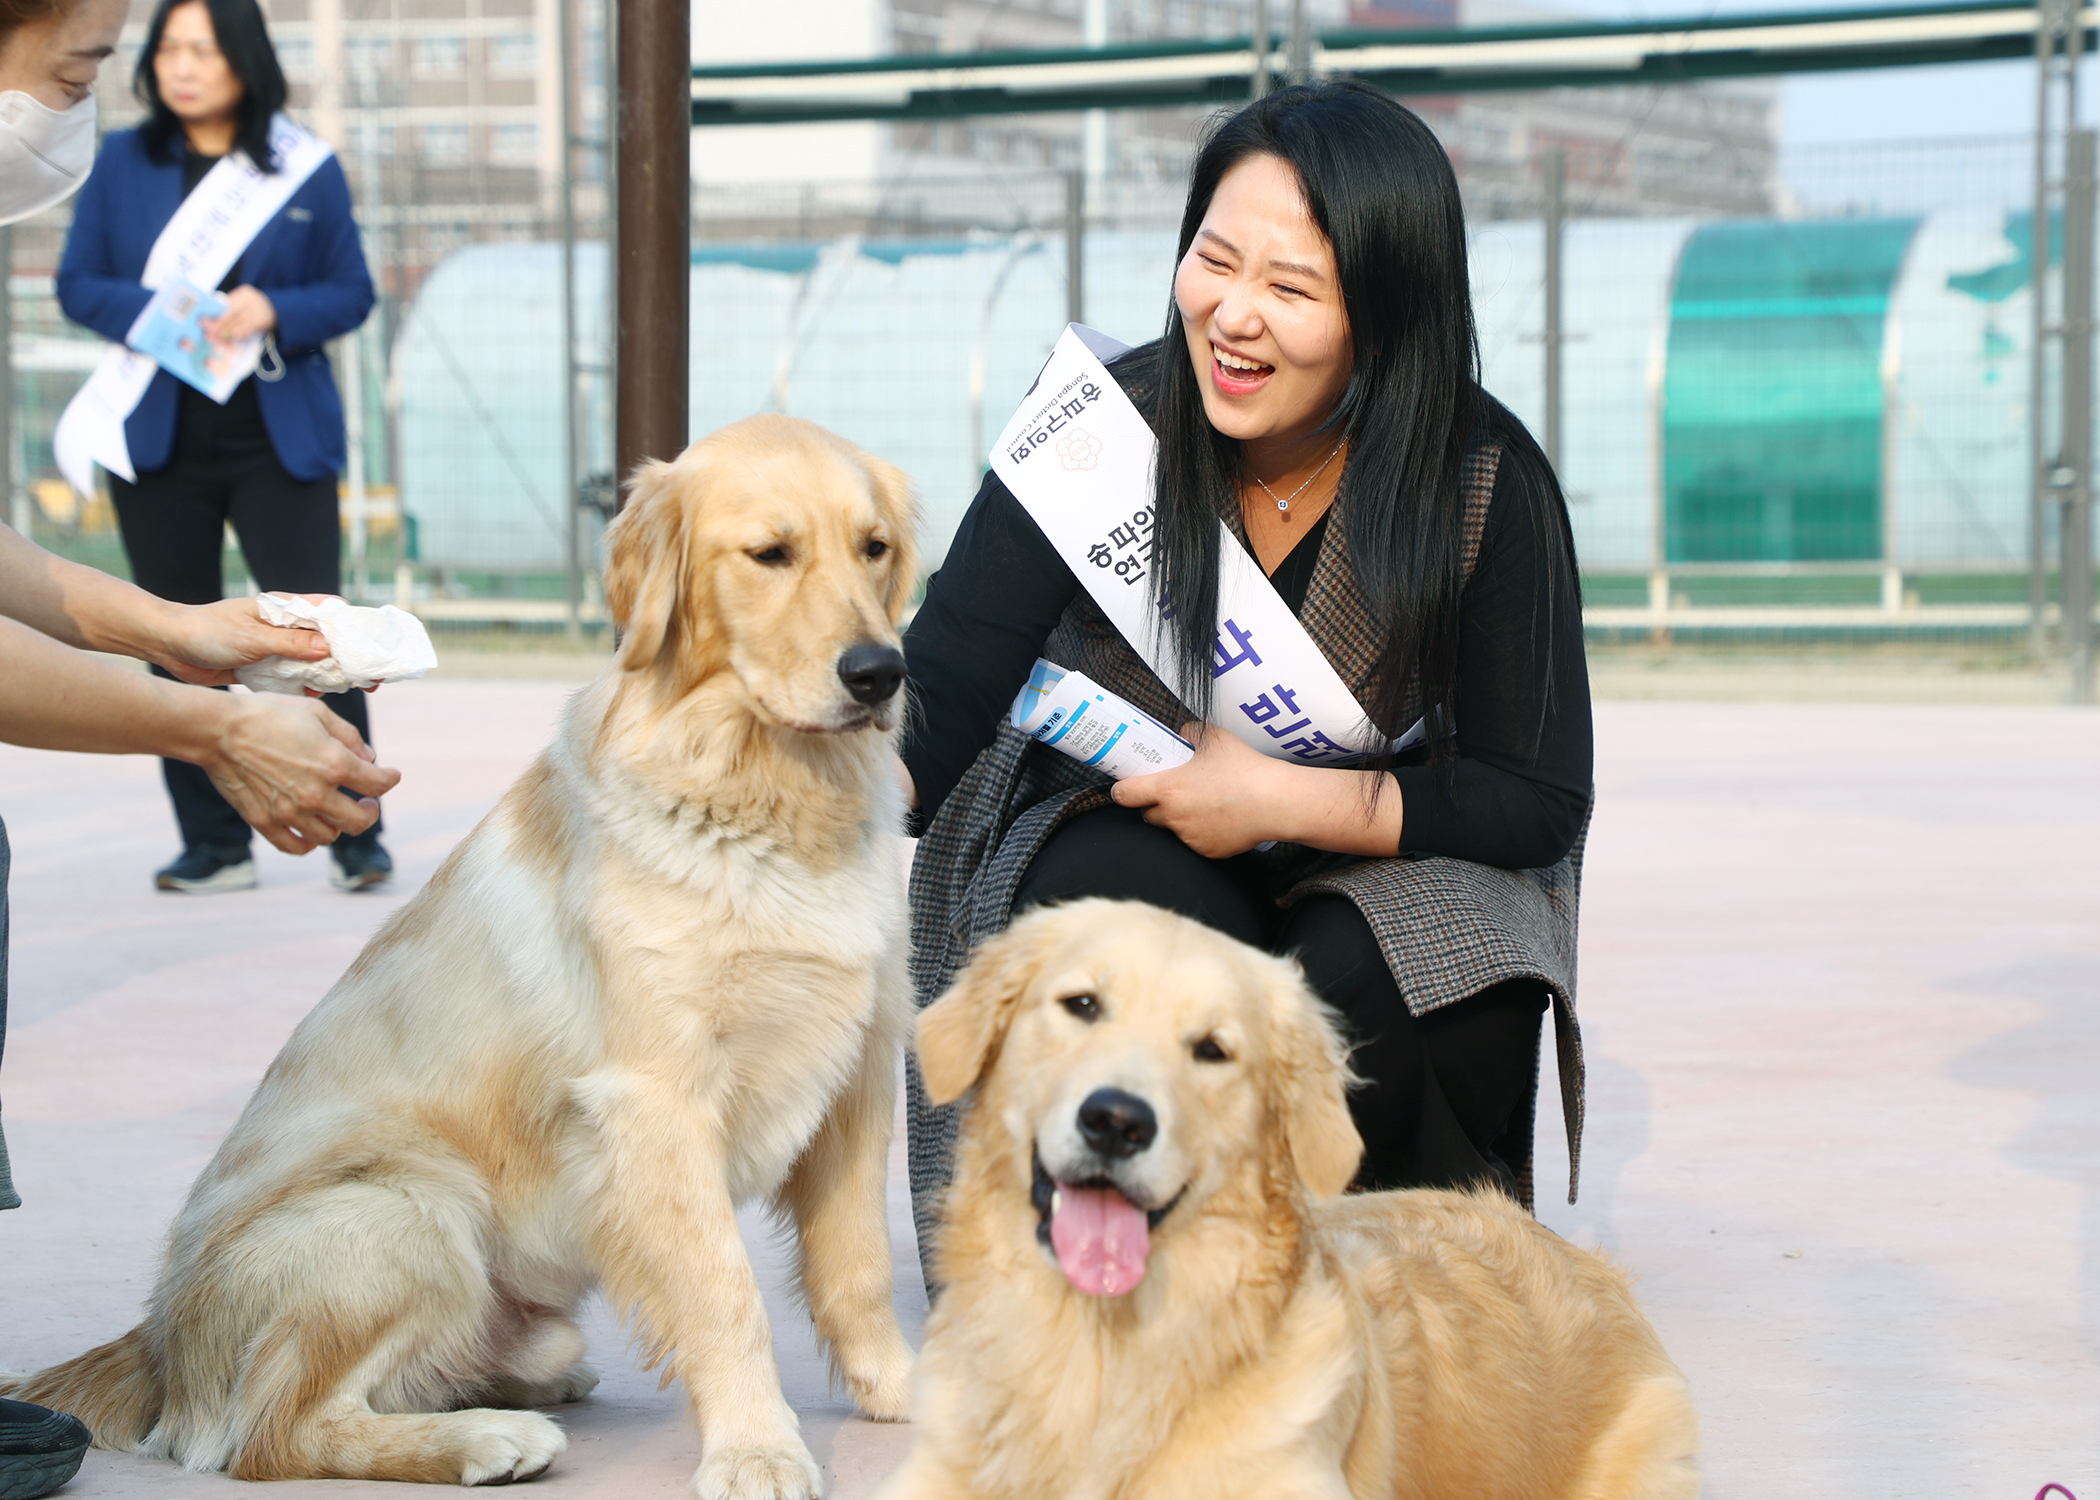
(1117, 1124)
(872, 673)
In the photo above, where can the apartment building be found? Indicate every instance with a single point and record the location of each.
(1703, 149)
(446, 114)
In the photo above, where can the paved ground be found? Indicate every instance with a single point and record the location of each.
(1844, 1030)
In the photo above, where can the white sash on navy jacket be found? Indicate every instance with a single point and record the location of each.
(210, 231)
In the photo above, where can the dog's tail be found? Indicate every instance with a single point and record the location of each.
(115, 1389)
(1651, 1452)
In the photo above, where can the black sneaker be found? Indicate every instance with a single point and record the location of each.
(205, 870)
(358, 864)
(40, 1449)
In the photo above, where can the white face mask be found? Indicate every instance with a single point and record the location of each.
(45, 153)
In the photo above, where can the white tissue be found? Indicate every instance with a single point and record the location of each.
(367, 647)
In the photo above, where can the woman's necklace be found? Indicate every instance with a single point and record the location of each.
(1283, 502)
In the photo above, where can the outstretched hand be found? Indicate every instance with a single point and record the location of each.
(204, 643)
(281, 762)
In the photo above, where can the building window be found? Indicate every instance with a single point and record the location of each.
(369, 56)
(514, 53)
(295, 54)
(444, 145)
(440, 57)
(517, 142)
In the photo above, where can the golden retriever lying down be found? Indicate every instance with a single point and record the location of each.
(664, 976)
(1152, 1291)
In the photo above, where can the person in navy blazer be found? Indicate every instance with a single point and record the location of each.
(267, 461)
(307, 261)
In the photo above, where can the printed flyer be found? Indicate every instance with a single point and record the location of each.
(171, 332)
(1075, 716)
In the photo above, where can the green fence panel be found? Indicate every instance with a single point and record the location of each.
(1772, 415)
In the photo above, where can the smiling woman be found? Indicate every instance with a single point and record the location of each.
(1315, 389)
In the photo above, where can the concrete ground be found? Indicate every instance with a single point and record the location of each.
(1841, 1006)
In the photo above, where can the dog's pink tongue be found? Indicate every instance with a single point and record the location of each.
(1101, 1240)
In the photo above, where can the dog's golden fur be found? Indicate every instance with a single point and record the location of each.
(1283, 1341)
(663, 977)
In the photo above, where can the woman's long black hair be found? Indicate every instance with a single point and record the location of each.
(244, 41)
(1379, 186)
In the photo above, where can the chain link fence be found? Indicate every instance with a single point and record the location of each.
(1805, 426)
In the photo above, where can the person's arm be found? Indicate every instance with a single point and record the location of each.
(337, 296)
(87, 608)
(1521, 786)
(92, 290)
(987, 612)
(278, 760)
(1516, 796)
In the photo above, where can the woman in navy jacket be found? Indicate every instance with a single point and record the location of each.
(267, 460)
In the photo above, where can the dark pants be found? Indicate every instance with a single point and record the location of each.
(173, 522)
(1447, 1098)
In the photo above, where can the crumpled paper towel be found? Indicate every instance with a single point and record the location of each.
(367, 646)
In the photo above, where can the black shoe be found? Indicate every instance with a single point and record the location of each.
(358, 864)
(40, 1449)
(205, 870)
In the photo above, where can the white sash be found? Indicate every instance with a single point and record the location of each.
(1079, 457)
(210, 231)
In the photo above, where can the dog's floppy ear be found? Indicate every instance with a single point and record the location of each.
(960, 1033)
(893, 495)
(645, 562)
(1311, 1081)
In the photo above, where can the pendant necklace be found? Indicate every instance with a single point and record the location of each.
(1283, 502)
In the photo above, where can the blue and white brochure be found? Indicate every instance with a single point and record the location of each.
(1075, 716)
(171, 332)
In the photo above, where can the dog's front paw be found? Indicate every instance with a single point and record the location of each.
(883, 1394)
(506, 1446)
(779, 1472)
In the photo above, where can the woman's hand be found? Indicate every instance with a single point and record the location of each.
(248, 312)
(203, 643)
(1232, 797)
(281, 762)
(1224, 802)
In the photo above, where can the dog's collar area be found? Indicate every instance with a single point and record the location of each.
(1042, 1193)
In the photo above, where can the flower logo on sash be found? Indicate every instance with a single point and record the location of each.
(1078, 449)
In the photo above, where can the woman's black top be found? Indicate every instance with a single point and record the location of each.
(1520, 788)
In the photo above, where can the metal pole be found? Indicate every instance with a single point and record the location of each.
(2076, 590)
(356, 496)
(1093, 128)
(655, 200)
(2058, 39)
(1301, 44)
(1075, 247)
(1258, 84)
(1555, 165)
(572, 469)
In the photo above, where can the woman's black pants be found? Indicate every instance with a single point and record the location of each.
(1447, 1097)
(173, 522)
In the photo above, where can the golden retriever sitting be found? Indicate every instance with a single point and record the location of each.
(664, 976)
(1152, 1292)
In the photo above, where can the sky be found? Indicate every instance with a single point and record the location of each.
(1969, 99)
